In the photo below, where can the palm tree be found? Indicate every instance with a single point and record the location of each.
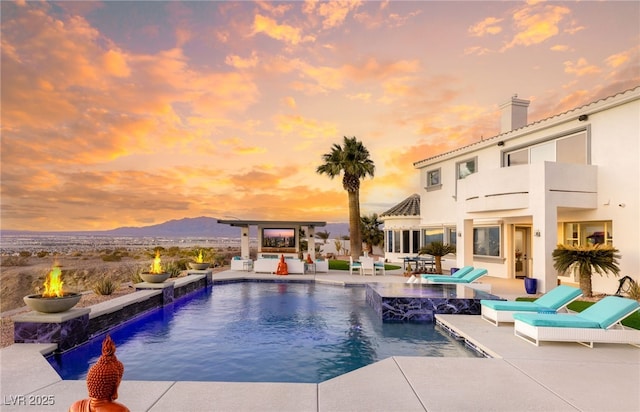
(437, 250)
(585, 260)
(372, 235)
(352, 160)
(324, 236)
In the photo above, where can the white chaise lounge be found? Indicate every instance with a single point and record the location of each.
(598, 323)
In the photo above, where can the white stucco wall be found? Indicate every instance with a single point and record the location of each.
(613, 126)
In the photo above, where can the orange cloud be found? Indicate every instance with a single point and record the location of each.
(373, 69)
(487, 26)
(618, 59)
(286, 33)
(580, 68)
(304, 127)
(334, 12)
(240, 63)
(536, 23)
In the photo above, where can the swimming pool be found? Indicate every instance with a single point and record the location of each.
(260, 332)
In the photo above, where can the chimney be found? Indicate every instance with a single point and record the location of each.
(514, 114)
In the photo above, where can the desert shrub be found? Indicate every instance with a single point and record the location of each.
(173, 251)
(14, 261)
(105, 286)
(25, 253)
(113, 257)
(42, 253)
(174, 268)
(135, 275)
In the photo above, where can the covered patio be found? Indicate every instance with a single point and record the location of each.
(272, 247)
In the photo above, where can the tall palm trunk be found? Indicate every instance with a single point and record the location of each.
(355, 237)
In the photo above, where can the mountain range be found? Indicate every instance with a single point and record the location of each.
(187, 227)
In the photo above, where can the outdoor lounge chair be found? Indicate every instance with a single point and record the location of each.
(354, 265)
(367, 265)
(455, 275)
(470, 277)
(598, 323)
(496, 311)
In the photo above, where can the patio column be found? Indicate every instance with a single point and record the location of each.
(464, 245)
(244, 242)
(312, 241)
(545, 229)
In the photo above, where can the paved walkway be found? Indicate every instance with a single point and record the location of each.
(520, 377)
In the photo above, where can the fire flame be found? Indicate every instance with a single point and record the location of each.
(53, 283)
(200, 259)
(156, 267)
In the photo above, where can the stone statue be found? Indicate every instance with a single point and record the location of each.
(282, 267)
(103, 380)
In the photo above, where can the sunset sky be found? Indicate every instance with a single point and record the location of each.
(135, 113)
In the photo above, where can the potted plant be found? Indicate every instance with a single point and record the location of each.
(530, 285)
(437, 250)
(585, 260)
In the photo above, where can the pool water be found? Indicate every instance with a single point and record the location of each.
(260, 332)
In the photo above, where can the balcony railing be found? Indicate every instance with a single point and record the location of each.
(508, 188)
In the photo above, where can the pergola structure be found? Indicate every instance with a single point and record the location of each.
(262, 224)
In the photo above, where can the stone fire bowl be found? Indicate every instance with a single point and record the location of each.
(52, 305)
(154, 277)
(199, 266)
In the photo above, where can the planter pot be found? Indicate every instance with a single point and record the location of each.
(154, 277)
(531, 285)
(52, 305)
(199, 266)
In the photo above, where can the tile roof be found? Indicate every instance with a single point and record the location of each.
(408, 207)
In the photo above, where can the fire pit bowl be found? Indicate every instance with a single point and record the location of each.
(44, 304)
(154, 277)
(199, 266)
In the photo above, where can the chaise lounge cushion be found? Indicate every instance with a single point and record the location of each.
(602, 315)
(560, 320)
(552, 300)
(558, 297)
(475, 274)
(455, 275)
(516, 306)
(608, 310)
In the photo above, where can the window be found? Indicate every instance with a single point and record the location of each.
(566, 149)
(452, 235)
(465, 168)
(405, 241)
(486, 241)
(584, 233)
(433, 179)
(519, 157)
(389, 245)
(415, 237)
(432, 235)
(396, 241)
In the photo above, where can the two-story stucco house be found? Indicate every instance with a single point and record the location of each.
(508, 201)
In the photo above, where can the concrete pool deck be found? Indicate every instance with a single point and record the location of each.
(519, 377)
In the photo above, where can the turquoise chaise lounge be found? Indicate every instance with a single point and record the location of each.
(455, 275)
(472, 276)
(496, 311)
(598, 323)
